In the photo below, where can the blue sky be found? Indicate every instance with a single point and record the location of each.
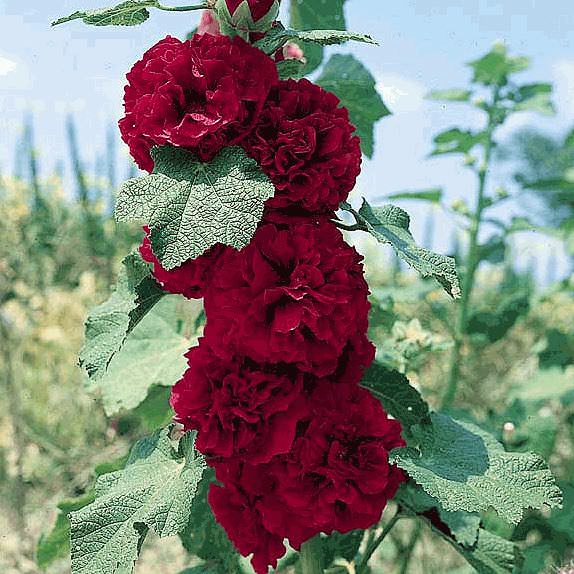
(423, 45)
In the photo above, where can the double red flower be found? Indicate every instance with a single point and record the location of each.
(272, 389)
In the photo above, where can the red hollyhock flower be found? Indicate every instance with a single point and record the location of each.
(336, 477)
(295, 294)
(236, 509)
(240, 409)
(189, 279)
(202, 94)
(305, 144)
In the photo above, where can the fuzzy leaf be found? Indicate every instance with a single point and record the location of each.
(495, 67)
(190, 206)
(355, 86)
(129, 13)
(398, 397)
(290, 68)
(390, 224)
(316, 15)
(110, 323)
(277, 37)
(154, 491)
(153, 354)
(464, 468)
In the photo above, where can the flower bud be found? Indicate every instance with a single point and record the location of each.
(240, 17)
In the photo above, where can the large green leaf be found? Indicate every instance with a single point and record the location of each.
(129, 13)
(191, 206)
(110, 323)
(355, 86)
(464, 468)
(390, 224)
(154, 491)
(278, 37)
(398, 397)
(316, 15)
(153, 354)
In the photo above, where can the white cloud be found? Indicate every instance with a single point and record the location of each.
(6, 66)
(401, 94)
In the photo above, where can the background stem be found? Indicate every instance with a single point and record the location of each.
(472, 259)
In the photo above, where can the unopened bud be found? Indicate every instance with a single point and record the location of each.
(240, 17)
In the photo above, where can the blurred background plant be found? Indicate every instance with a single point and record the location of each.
(506, 362)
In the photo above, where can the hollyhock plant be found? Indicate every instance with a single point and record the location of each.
(295, 294)
(240, 409)
(202, 94)
(305, 143)
(189, 279)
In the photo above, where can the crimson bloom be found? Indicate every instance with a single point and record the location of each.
(305, 143)
(337, 476)
(295, 294)
(240, 408)
(189, 279)
(202, 94)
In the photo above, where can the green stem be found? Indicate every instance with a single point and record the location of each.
(472, 260)
(182, 8)
(311, 556)
(374, 544)
(413, 540)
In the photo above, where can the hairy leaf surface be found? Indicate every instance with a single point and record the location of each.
(191, 206)
(129, 13)
(390, 224)
(154, 491)
(355, 86)
(464, 468)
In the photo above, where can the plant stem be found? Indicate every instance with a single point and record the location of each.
(311, 556)
(182, 8)
(472, 260)
(415, 535)
(374, 544)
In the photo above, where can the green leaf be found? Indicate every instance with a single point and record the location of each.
(535, 98)
(204, 537)
(494, 250)
(495, 67)
(432, 195)
(277, 37)
(464, 468)
(153, 354)
(492, 554)
(191, 206)
(390, 224)
(454, 95)
(496, 321)
(345, 546)
(355, 86)
(155, 411)
(129, 13)
(456, 140)
(463, 526)
(154, 491)
(316, 15)
(56, 543)
(110, 323)
(398, 397)
(290, 68)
